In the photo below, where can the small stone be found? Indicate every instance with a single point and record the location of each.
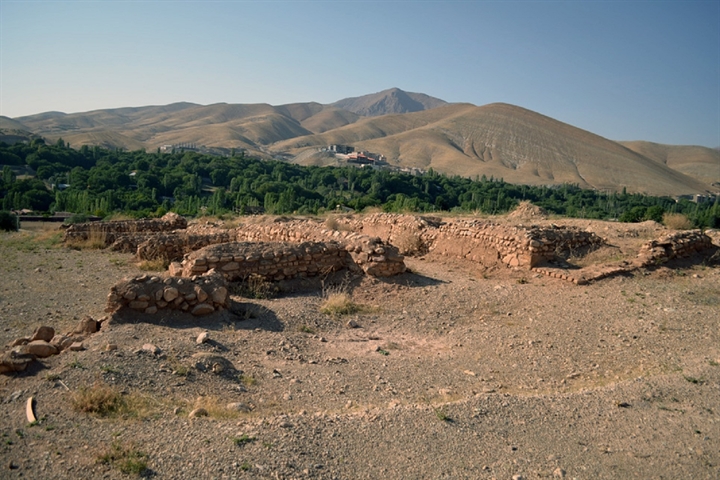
(352, 324)
(202, 338)
(150, 348)
(151, 309)
(198, 412)
(238, 407)
(43, 333)
(170, 294)
(110, 347)
(559, 473)
(40, 348)
(286, 424)
(20, 341)
(77, 347)
(202, 309)
(518, 477)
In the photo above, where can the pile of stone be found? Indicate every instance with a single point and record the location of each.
(44, 342)
(110, 232)
(198, 295)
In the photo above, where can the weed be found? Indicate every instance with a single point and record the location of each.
(409, 243)
(248, 380)
(441, 415)
(677, 221)
(255, 286)
(96, 240)
(522, 281)
(339, 304)
(109, 369)
(52, 377)
(382, 351)
(125, 457)
(118, 262)
(713, 363)
(243, 440)
(245, 466)
(267, 445)
(306, 329)
(75, 364)
(156, 265)
(100, 399)
(696, 381)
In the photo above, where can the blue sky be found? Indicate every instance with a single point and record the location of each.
(626, 70)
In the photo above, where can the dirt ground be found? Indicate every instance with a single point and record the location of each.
(454, 371)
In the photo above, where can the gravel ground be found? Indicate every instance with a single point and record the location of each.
(451, 373)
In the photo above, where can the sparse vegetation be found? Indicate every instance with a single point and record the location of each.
(243, 440)
(96, 241)
(100, 399)
(255, 286)
(677, 221)
(125, 457)
(155, 265)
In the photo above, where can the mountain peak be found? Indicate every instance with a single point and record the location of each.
(393, 100)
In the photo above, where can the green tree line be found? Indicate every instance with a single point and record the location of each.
(99, 181)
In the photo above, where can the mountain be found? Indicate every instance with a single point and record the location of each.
(701, 163)
(506, 142)
(499, 140)
(12, 131)
(388, 102)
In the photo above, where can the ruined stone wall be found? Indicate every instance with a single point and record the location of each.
(673, 245)
(199, 295)
(277, 261)
(476, 240)
(109, 232)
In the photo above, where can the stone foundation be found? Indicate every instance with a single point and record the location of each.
(109, 232)
(276, 261)
(198, 295)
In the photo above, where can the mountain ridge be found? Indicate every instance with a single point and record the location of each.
(497, 139)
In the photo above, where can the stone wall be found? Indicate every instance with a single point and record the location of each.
(199, 295)
(109, 232)
(277, 261)
(476, 240)
(673, 245)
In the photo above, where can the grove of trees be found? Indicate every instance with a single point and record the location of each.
(99, 181)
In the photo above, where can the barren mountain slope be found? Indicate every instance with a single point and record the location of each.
(388, 102)
(701, 163)
(10, 124)
(506, 141)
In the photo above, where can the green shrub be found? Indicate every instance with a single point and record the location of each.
(8, 221)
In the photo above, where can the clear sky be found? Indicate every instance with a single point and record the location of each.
(626, 70)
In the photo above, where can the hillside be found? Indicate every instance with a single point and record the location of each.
(506, 141)
(411, 130)
(701, 163)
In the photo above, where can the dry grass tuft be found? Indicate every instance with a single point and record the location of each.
(677, 221)
(96, 241)
(100, 399)
(156, 265)
(408, 243)
(125, 457)
(332, 223)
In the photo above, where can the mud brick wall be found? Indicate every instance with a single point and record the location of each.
(110, 231)
(277, 261)
(199, 295)
(673, 245)
(475, 240)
